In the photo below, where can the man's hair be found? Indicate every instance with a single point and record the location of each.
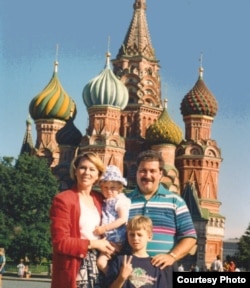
(150, 155)
(140, 222)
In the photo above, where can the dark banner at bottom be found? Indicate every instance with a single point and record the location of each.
(211, 279)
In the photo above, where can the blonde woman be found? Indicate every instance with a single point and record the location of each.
(74, 215)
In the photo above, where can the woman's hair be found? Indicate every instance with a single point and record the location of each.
(90, 156)
(2, 250)
(140, 222)
(150, 155)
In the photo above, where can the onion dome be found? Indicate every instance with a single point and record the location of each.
(199, 100)
(69, 135)
(53, 102)
(105, 89)
(164, 130)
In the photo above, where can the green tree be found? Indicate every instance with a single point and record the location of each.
(244, 248)
(4, 235)
(6, 170)
(27, 206)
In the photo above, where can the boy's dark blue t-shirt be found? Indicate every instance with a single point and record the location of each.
(144, 273)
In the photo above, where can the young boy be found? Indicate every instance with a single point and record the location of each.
(115, 211)
(136, 270)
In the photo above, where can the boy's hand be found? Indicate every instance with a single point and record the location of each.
(126, 268)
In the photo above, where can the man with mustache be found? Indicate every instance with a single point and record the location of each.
(173, 230)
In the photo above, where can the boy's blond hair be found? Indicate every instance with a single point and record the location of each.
(140, 222)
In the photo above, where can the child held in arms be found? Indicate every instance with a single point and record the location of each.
(115, 211)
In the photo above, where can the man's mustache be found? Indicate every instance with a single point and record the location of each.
(146, 179)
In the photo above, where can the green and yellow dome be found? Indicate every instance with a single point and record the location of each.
(53, 102)
(164, 130)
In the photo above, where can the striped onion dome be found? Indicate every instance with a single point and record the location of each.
(164, 130)
(199, 100)
(105, 89)
(53, 102)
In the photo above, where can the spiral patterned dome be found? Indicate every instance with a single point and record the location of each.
(164, 130)
(53, 102)
(199, 100)
(105, 89)
(69, 134)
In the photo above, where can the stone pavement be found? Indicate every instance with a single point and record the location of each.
(33, 282)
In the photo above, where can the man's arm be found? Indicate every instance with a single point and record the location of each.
(180, 250)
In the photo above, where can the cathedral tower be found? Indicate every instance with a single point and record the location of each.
(50, 110)
(137, 67)
(105, 97)
(198, 160)
(27, 146)
(163, 136)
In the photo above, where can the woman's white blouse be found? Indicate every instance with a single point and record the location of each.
(89, 219)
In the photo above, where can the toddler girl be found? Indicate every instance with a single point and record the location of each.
(115, 211)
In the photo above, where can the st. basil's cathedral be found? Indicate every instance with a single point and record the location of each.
(127, 115)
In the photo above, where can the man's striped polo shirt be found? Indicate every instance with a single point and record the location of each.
(170, 215)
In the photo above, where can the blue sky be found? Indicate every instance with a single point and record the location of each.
(180, 31)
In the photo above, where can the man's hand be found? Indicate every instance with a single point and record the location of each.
(162, 260)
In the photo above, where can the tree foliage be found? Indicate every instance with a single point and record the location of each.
(244, 248)
(6, 171)
(27, 188)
